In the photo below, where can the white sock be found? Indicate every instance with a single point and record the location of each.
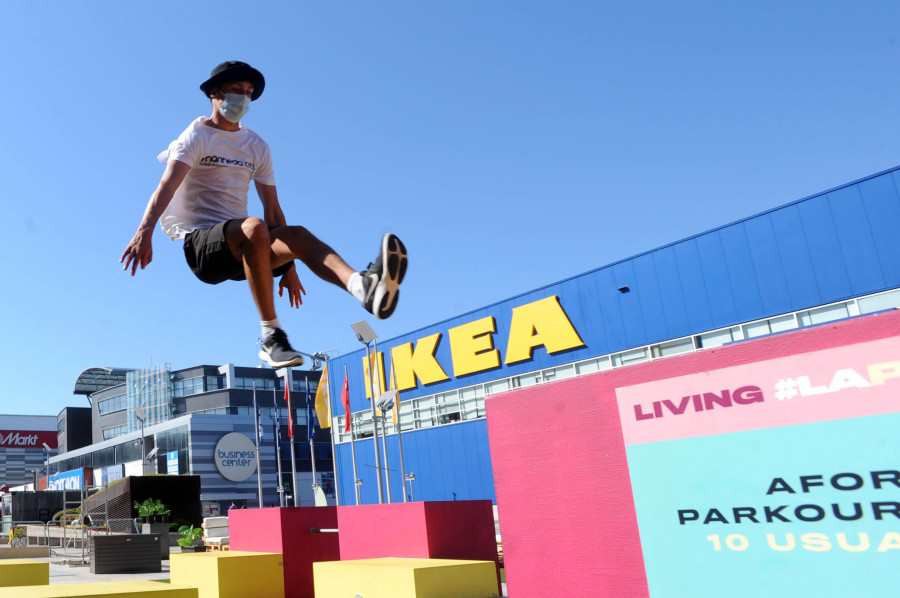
(355, 286)
(269, 326)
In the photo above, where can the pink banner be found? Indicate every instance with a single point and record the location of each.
(851, 381)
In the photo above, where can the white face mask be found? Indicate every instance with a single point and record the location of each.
(235, 106)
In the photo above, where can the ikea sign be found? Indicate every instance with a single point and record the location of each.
(475, 346)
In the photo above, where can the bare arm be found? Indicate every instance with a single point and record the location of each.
(272, 213)
(273, 216)
(140, 250)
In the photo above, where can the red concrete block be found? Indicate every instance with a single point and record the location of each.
(433, 530)
(286, 531)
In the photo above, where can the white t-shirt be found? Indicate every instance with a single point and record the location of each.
(222, 165)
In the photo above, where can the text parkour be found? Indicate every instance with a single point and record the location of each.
(809, 512)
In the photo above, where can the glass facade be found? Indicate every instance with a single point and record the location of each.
(151, 391)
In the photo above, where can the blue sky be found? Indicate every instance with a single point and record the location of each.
(509, 144)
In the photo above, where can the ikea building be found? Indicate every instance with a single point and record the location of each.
(827, 257)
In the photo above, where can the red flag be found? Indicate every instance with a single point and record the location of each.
(345, 399)
(287, 399)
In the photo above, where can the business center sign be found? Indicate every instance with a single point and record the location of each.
(235, 457)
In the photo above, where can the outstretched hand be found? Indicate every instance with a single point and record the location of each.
(139, 251)
(291, 282)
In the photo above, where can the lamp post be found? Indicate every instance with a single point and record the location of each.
(366, 335)
(47, 449)
(410, 477)
(139, 413)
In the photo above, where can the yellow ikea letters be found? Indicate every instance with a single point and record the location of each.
(409, 364)
(472, 347)
(542, 323)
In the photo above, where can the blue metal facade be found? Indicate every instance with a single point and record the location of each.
(836, 245)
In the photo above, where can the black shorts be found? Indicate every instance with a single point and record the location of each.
(207, 253)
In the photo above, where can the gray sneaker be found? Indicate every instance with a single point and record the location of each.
(382, 279)
(277, 351)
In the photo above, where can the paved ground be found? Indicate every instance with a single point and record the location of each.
(67, 568)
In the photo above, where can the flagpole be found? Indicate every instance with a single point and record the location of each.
(279, 486)
(387, 465)
(375, 424)
(377, 371)
(287, 393)
(311, 435)
(258, 462)
(399, 431)
(349, 416)
(337, 488)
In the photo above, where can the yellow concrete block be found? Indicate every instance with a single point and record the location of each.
(23, 572)
(117, 589)
(405, 578)
(230, 574)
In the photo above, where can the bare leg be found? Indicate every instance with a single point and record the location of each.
(296, 242)
(249, 241)
(261, 250)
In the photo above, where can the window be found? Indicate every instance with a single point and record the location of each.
(828, 313)
(717, 338)
(683, 345)
(559, 373)
(261, 383)
(113, 431)
(116, 403)
(629, 357)
(868, 305)
(593, 365)
(471, 401)
(191, 386)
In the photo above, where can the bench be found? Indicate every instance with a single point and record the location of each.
(405, 578)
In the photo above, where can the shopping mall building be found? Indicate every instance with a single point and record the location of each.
(827, 257)
(160, 420)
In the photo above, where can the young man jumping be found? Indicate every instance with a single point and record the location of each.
(202, 200)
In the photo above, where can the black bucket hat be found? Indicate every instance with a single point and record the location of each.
(234, 70)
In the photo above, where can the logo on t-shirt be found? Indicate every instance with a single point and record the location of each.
(223, 161)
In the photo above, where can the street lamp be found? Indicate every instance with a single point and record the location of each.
(139, 413)
(410, 477)
(366, 335)
(47, 450)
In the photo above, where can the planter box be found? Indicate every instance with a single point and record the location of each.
(125, 553)
(163, 530)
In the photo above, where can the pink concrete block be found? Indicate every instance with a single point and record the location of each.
(286, 531)
(567, 515)
(437, 530)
